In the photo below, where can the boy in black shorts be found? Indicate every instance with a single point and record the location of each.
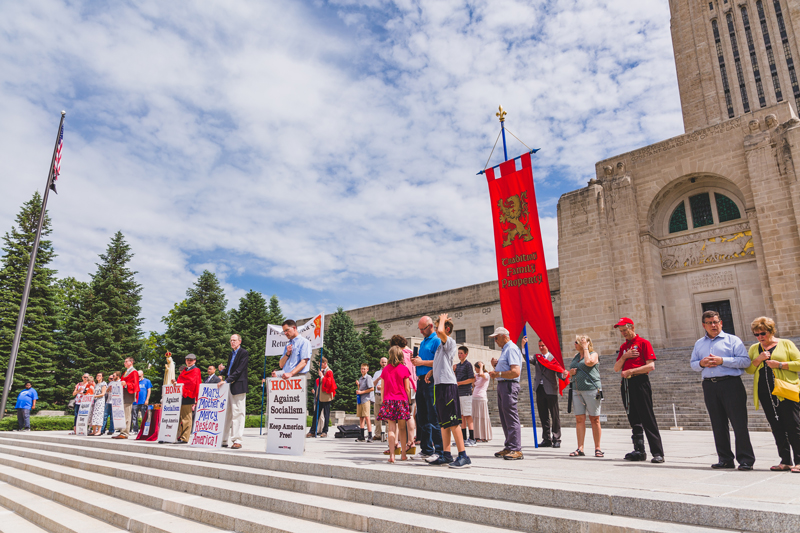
(445, 394)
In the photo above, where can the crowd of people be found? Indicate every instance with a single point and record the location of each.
(434, 398)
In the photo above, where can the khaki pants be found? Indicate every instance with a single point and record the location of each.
(127, 429)
(186, 422)
(378, 423)
(234, 421)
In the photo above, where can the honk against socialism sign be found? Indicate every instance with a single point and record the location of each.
(286, 432)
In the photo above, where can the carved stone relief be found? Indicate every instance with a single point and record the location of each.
(717, 249)
(579, 215)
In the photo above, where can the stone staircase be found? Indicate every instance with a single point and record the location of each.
(673, 382)
(62, 484)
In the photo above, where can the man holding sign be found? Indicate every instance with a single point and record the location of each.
(237, 379)
(296, 357)
(190, 377)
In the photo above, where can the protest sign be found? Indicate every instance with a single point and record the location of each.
(171, 396)
(209, 416)
(286, 433)
(312, 330)
(84, 414)
(117, 405)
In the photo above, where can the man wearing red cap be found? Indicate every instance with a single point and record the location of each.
(635, 361)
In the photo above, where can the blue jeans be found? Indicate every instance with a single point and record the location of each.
(108, 418)
(428, 429)
(138, 409)
(24, 418)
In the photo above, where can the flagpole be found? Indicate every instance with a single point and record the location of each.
(12, 360)
(501, 115)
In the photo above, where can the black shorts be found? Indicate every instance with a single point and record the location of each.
(448, 406)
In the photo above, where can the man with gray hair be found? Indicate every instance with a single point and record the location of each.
(506, 372)
(237, 379)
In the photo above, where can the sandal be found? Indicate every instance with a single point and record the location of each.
(781, 468)
(796, 470)
(577, 453)
(599, 453)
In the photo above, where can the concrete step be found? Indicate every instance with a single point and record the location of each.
(150, 490)
(44, 514)
(11, 522)
(445, 496)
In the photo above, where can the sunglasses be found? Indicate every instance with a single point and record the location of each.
(760, 334)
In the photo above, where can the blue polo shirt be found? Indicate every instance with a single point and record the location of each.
(144, 384)
(427, 351)
(729, 347)
(301, 349)
(510, 356)
(25, 399)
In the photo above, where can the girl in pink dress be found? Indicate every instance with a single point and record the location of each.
(394, 409)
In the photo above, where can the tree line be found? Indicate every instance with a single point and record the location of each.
(72, 327)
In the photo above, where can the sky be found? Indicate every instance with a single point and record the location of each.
(324, 152)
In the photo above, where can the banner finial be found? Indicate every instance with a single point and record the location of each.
(501, 114)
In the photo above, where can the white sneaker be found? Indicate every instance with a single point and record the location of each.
(470, 442)
(431, 458)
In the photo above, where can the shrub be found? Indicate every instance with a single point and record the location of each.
(40, 423)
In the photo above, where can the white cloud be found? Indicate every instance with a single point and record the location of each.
(331, 147)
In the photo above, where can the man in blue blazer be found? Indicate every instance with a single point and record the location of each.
(237, 379)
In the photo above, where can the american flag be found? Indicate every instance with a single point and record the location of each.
(57, 161)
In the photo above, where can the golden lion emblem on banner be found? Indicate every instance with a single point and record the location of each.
(511, 211)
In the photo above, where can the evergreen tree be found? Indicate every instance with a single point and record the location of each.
(72, 297)
(275, 315)
(110, 323)
(37, 345)
(199, 324)
(345, 354)
(250, 321)
(374, 345)
(151, 360)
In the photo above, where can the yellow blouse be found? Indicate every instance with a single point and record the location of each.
(785, 352)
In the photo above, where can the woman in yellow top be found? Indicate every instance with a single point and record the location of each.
(773, 358)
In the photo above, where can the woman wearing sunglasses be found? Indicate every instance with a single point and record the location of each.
(775, 363)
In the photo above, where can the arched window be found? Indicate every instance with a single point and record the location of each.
(677, 221)
(699, 210)
(726, 208)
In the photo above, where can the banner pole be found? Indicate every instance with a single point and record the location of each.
(501, 114)
(263, 386)
(12, 360)
(316, 408)
(530, 388)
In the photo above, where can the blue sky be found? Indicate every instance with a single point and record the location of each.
(322, 151)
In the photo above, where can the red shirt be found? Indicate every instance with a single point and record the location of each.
(646, 353)
(131, 382)
(191, 382)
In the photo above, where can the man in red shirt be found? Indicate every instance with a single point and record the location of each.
(635, 361)
(130, 391)
(191, 377)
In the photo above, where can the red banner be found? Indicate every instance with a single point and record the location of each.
(521, 270)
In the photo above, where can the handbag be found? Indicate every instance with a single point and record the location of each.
(786, 390)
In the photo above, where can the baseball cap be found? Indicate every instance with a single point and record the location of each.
(624, 321)
(500, 331)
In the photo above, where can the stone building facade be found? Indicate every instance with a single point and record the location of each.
(475, 311)
(705, 220)
(708, 219)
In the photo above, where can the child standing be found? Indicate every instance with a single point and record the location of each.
(396, 388)
(365, 397)
(445, 394)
